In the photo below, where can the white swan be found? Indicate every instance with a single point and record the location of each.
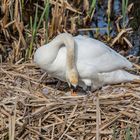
(83, 61)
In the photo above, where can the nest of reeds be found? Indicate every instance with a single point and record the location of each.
(29, 109)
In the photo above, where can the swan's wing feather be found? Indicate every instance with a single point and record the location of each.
(111, 61)
(95, 53)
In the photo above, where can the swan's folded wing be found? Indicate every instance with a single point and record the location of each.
(97, 54)
(111, 61)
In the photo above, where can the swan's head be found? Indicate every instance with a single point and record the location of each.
(72, 78)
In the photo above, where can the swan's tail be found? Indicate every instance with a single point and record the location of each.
(118, 76)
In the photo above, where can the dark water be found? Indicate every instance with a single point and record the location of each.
(100, 21)
(100, 18)
(135, 40)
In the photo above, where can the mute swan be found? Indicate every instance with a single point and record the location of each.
(83, 61)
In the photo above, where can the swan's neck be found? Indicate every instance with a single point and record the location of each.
(68, 41)
(70, 58)
(71, 69)
(53, 48)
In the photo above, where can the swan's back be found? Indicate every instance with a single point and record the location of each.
(104, 59)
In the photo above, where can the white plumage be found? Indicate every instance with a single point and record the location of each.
(84, 61)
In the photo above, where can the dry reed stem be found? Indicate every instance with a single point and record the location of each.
(68, 6)
(98, 118)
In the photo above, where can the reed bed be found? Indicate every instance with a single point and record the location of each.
(26, 25)
(30, 109)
